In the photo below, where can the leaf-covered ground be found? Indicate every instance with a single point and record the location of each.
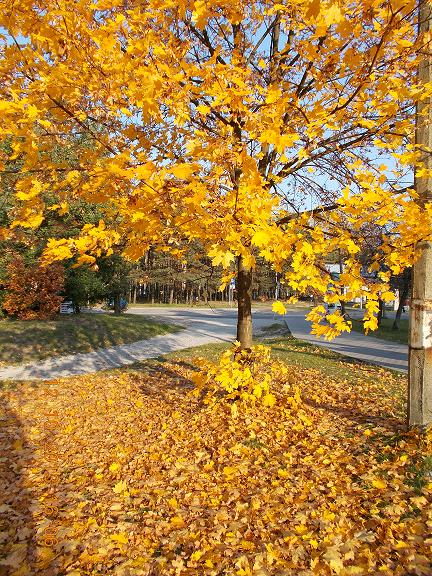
(128, 473)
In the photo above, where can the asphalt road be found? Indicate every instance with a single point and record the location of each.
(355, 345)
(216, 323)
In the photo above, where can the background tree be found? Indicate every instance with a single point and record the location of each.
(83, 287)
(32, 292)
(218, 122)
(401, 283)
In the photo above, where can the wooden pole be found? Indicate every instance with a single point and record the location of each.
(420, 348)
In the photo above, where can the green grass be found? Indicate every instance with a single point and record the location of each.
(420, 474)
(22, 341)
(273, 330)
(385, 331)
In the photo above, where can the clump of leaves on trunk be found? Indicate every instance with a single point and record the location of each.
(246, 378)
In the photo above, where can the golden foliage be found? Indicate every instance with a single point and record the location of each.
(206, 121)
(245, 375)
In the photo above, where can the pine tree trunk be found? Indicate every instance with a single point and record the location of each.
(171, 294)
(117, 307)
(342, 302)
(244, 317)
(402, 300)
(381, 312)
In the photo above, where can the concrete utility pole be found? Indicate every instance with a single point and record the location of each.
(420, 349)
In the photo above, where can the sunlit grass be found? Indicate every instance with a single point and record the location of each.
(22, 341)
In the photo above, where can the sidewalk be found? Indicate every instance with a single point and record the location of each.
(106, 358)
(202, 326)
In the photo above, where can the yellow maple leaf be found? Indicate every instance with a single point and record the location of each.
(196, 555)
(28, 219)
(279, 308)
(260, 238)
(114, 466)
(229, 471)
(222, 257)
(121, 538)
(84, 259)
(379, 484)
(200, 13)
(183, 170)
(203, 109)
(30, 192)
(178, 522)
(145, 170)
(120, 487)
(269, 400)
(334, 559)
(333, 14)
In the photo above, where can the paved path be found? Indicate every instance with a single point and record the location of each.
(201, 327)
(355, 345)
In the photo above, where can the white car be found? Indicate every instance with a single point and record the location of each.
(67, 307)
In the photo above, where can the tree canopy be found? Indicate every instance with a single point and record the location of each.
(221, 121)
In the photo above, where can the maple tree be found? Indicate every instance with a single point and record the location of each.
(215, 121)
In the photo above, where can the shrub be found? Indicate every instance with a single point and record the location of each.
(32, 292)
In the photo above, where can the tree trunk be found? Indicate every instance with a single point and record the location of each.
(117, 306)
(244, 317)
(381, 312)
(402, 298)
(342, 302)
(171, 294)
(420, 343)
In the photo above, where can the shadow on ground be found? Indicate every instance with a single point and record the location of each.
(17, 531)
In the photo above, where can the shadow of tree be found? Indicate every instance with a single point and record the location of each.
(312, 351)
(17, 530)
(390, 423)
(160, 378)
